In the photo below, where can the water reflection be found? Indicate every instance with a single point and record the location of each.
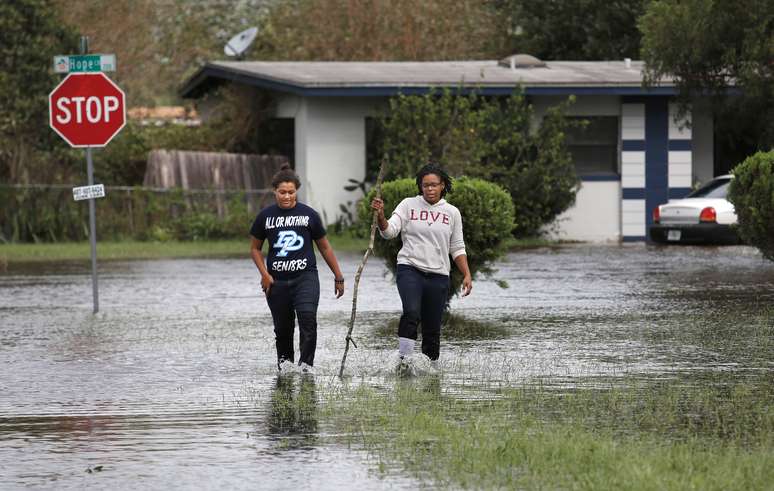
(174, 383)
(293, 412)
(428, 383)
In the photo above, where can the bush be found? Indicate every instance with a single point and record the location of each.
(752, 193)
(492, 139)
(49, 214)
(205, 225)
(487, 219)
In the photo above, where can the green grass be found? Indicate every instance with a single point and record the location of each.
(132, 249)
(11, 253)
(658, 437)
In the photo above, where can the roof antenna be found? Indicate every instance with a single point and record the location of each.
(237, 45)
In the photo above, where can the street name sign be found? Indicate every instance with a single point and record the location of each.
(87, 109)
(89, 192)
(84, 63)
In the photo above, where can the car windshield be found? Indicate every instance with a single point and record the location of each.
(717, 188)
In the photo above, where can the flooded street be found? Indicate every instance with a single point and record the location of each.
(174, 383)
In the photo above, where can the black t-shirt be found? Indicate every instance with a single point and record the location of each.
(290, 234)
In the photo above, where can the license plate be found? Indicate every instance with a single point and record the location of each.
(673, 235)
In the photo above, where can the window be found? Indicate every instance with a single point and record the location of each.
(594, 147)
(716, 188)
(276, 136)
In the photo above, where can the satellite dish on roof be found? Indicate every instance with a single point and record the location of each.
(237, 45)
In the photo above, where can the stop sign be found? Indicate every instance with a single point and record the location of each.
(87, 109)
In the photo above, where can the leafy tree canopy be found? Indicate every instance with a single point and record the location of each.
(575, 29)
(707, 45)
(376, 30)
(492, 139)
(157, 44)
(29, 38)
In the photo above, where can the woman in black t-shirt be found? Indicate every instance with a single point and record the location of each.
(289, 271)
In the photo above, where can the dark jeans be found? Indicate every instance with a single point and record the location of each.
(290, 298)
(424, 298)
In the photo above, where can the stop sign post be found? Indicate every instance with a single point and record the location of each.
(88, 110)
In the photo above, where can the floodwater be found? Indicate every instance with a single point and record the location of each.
(174, 384)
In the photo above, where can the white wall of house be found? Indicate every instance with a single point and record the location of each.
(595, 217)
(596, 214)
(703, 144)
(330, 149)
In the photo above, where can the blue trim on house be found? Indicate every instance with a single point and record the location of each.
(634, 99)
(388, 91)
(633, 193)
(677, 193)
(656, 154)
(599, 177)
(632, 145)
(634, 238)
(622, 91)
(680, 145)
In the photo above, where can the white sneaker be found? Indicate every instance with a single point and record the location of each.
(306, 368)
(285, 366)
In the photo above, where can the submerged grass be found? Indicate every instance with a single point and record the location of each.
(668, 436)
(455, 327)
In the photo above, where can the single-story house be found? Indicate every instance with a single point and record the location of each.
(634, 156)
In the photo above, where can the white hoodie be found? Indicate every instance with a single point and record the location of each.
(429, 233)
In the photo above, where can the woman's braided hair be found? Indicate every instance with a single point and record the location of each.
(285, 174)
(432, 168)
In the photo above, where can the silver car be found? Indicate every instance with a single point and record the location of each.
(704, 216)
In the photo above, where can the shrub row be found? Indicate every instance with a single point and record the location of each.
(49, 214)
(487, 219)
(752, 193)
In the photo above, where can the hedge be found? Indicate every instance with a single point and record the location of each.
(487, 220)
(752, 194)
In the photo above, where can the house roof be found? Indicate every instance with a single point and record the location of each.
(335, 78)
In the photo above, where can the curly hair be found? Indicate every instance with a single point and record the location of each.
(285, 174)
(432, 168)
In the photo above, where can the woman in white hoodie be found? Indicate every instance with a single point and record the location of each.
(431, 231)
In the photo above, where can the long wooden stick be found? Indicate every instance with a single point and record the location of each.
(360, 269)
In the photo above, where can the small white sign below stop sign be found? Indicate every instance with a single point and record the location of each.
(87, 109)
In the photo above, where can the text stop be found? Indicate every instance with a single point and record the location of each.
(95, 109)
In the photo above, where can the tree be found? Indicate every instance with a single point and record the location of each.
(29, 38)
(378, 30)
(158, 43)
(575, 29)
(493, 139)
(707, 45)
